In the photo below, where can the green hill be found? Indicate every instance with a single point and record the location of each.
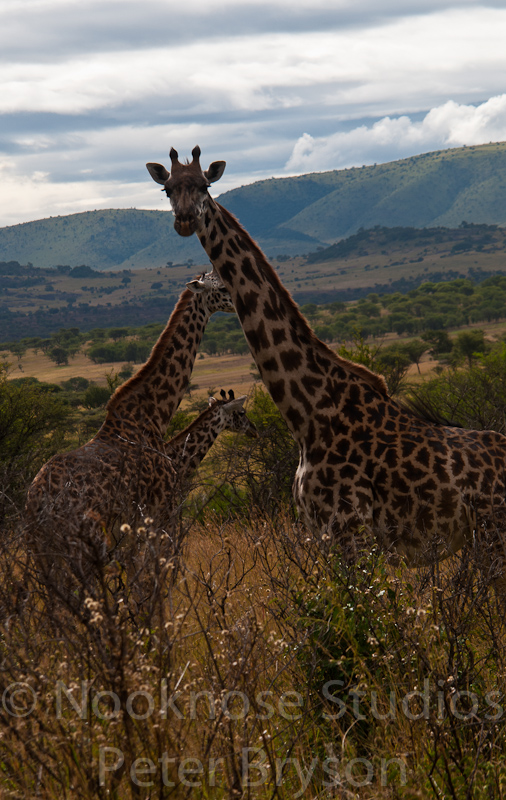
(287, 215)
(435, 189)
(106, 239)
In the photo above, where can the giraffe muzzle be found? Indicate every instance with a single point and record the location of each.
(185, 226)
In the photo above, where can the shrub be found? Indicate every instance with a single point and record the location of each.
(474, 397)
(33, 426)
(96, 396)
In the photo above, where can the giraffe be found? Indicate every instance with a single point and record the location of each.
(57, 484)
(126, 469)
(370, 471)
(187, 449)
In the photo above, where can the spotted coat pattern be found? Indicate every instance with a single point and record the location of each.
(369, 469)
(128, 468)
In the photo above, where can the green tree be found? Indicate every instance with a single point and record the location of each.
(390, 362)
(118, 333)
(18, 349)
(126, 372)
(76, 384)
(60, 355)
(474, 396)
(415, 350)
(438, 341)
(470, 345)
(113, 380)
(101, 353)
(96, 396)
(393, 363)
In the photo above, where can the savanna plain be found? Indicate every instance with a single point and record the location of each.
(233, 657)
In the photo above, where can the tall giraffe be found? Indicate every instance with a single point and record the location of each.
(126, 469)
(369, 469)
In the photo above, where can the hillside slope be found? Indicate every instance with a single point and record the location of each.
(441, 188)
(35, 301)
(104, 239)
(287, 215)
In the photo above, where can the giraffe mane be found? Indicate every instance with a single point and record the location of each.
(158, 349)
(372, 378)
(197, 422)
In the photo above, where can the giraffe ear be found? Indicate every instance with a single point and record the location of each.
(236, 403)
(215, 171)
(212, 402)
(158, 173)
(196, 286)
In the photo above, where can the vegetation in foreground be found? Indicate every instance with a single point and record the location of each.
(233, 657)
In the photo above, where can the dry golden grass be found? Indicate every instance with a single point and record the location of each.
(227, 371)
(227, 663)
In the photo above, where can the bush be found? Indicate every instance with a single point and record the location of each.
(474, 397)
(33, 426)
(96, 396)
(261, 470)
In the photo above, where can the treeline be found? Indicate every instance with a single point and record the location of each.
(468, 236)
(123, 344)
(430, 307)
(43, 322)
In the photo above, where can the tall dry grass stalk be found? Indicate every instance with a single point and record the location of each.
(242, 663)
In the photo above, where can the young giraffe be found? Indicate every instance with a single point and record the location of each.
(368, 469)
(187, 449)
(128, 469)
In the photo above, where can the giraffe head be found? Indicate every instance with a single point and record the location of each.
(214, 293)
(233, 414)
(186, 186)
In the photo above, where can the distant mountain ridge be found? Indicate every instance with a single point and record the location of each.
(442, 188)
(286, 215)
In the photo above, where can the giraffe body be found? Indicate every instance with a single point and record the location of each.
(103, 483)
(369, 469)
(127, 470)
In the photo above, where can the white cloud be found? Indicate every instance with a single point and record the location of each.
(34, 197)
(415, 61)
(91, 89)
(449, 125)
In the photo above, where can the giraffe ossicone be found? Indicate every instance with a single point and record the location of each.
(369, 469)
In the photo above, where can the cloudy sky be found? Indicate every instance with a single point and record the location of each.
(92, 89)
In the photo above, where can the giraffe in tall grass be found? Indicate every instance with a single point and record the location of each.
(369, 469)
(127, 471)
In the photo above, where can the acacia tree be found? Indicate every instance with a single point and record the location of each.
(414, 351)
(60, 355)
(473, 396)
(438, 341)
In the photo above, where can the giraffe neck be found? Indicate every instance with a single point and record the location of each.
(188, 448)
(149, 399)
(300, 372)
